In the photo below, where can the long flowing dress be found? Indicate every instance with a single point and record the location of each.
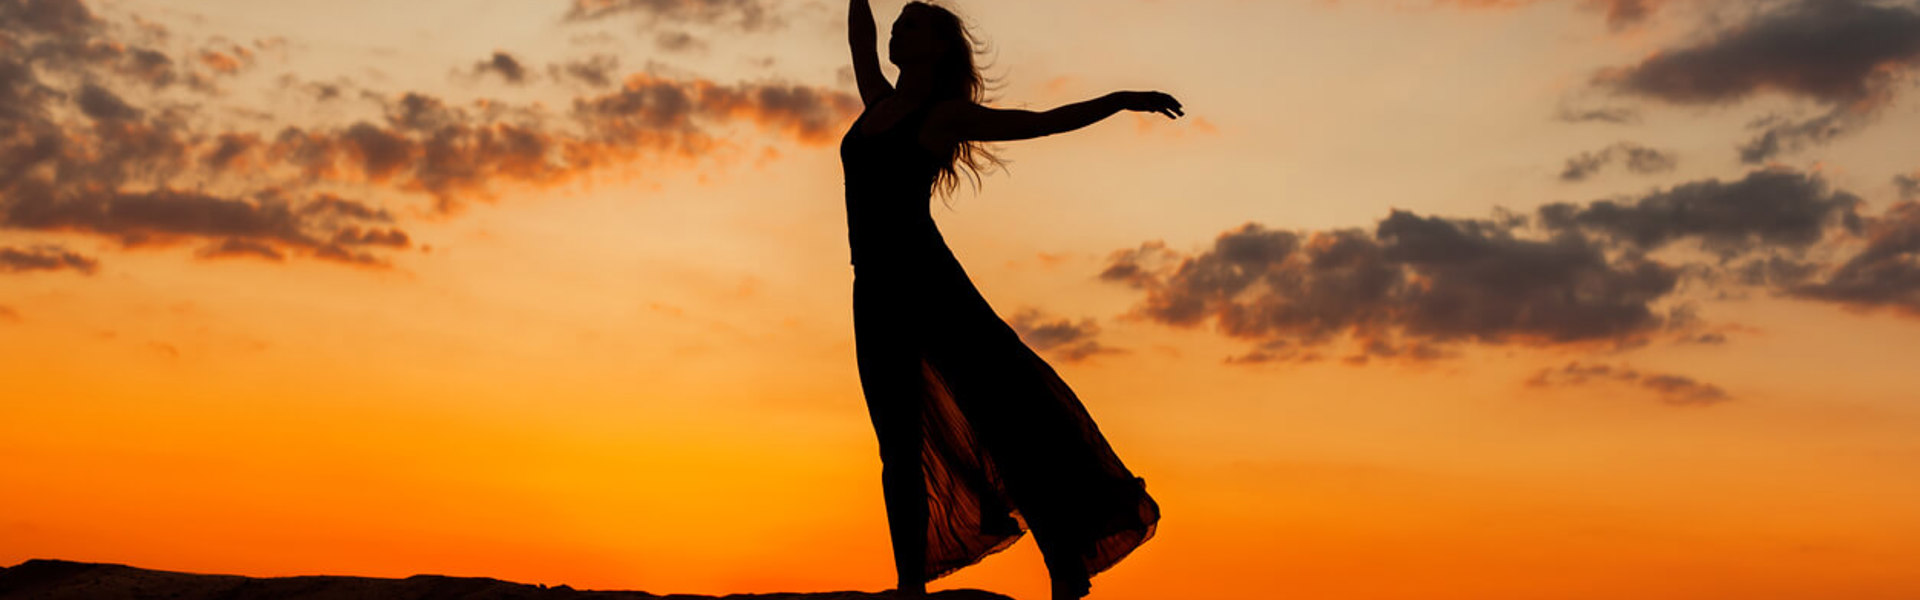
(978, 435)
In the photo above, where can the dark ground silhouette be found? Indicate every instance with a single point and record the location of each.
(62, 580)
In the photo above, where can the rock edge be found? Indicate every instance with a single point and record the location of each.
(42, 579)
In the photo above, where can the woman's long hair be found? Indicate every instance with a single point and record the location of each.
(956, 77)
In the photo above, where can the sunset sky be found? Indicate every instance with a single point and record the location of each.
(1435, 299)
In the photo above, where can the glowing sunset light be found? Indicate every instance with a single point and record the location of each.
(1437, 300)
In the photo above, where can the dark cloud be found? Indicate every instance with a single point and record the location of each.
(1637, 158)
(457, 154)
(231, 151)
(1641, 159)
(44, 258)
(1780, 135)
(1278, 351)
(147, 170)
(1401, 291)
(64, 35)
(325, 91)
(678, 41)
(743, 14)
(449, 153)
(238, 247)
(1478, 281)
(1416, 286)
(103, 105)
(1674, 390)
(504, 65)
(1603, 115)
(422, 113)
(21, 93)
(113, 180)
(462, 161)
(1684, 391)
(378, 152)
(1071, 341)
(1844, 54)
(648, 105)
(598, 70)
(326, 205)
(1883, 274)
(1770, 208)
(1777, 271)
(152, 67)
(1909, 186)
(1835, 51)
(54, 17)
(355, 236)
(1705, 339)
(156, 216)
(342, 254)
(1623, 14)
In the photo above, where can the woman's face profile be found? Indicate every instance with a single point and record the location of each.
(912, 38)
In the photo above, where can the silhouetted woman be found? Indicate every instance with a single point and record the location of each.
(979, 438)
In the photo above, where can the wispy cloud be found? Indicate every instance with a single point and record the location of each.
(1619, 14)
(742, 14)
(1638, 159)
(1061, 337)
(1611, 114)
(1883, 274)
(504, 65)
(44, 258)
(1673, 390)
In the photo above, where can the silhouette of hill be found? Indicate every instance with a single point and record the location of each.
(40, 579)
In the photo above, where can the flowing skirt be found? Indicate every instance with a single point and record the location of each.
(997, 440)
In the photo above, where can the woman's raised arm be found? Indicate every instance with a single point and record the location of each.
(866, 58)
(969, 122)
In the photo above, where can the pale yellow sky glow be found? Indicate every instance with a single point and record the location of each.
(626, 361)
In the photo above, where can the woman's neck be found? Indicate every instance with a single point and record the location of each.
(916, 82)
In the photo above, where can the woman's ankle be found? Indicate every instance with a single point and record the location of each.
(1071, 590)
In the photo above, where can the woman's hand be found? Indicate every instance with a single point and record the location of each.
(1154, 102)
(866, 58)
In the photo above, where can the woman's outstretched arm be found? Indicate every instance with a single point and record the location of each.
(966, 121)
(866, 58)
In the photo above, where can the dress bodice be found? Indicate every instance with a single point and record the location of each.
(889, 180)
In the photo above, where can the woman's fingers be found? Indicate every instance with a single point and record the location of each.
(1157, 102)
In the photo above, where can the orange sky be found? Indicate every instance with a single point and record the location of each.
(335, 289)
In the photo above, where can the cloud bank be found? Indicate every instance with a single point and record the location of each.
(101, 135)
(1847, 56)
(1570, 275)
